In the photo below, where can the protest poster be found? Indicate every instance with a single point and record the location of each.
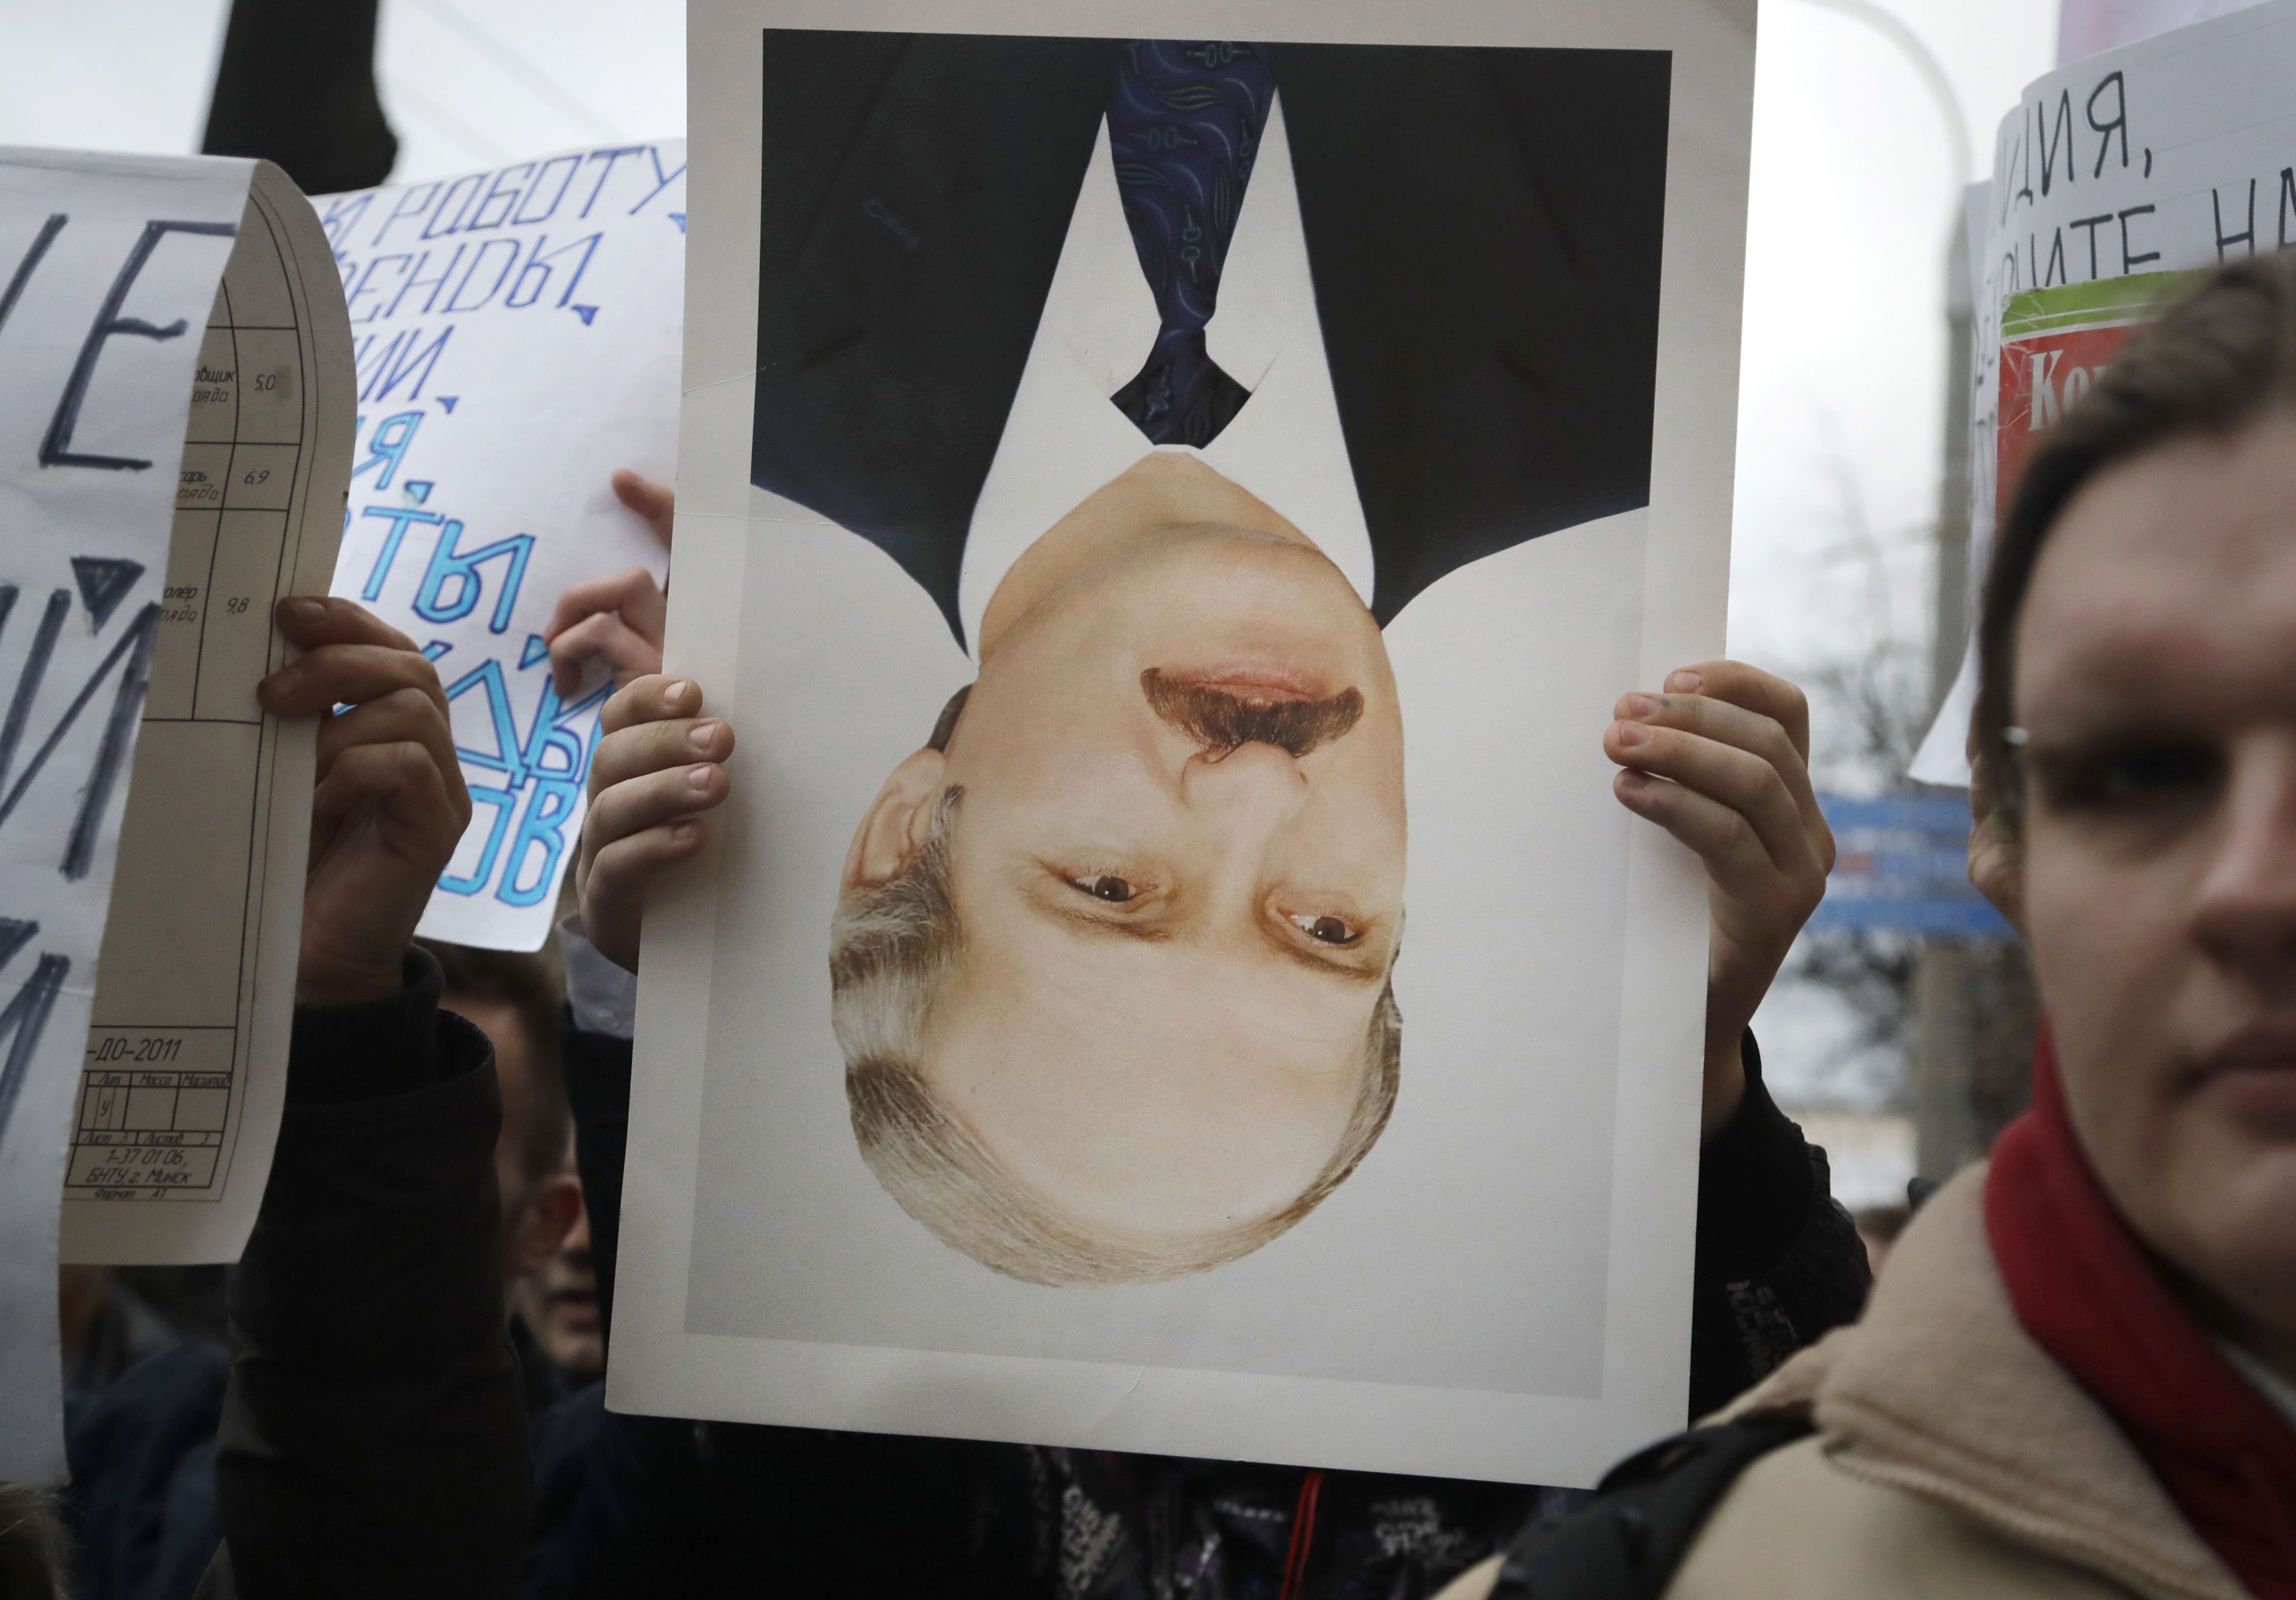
(516, 333)
(1440, 410)
(2114, 179)
(164, 486)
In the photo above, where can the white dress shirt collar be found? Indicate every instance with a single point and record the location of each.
(1064, 439)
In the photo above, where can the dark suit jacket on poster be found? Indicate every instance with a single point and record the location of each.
(1483, 226)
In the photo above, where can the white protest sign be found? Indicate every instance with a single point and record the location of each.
(2170, 155)
(114, 532)
(517, 339)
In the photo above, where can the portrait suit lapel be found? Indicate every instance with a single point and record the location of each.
(1483, 230)
(916, 192)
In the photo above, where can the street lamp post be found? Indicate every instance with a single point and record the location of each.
(1945, 1036)
(1945, 1046)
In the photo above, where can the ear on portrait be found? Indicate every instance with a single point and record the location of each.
(898, 822)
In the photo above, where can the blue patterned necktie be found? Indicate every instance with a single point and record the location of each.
(1184, 126)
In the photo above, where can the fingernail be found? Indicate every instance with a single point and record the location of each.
(1631, 736)
(1643, 705)
(302, 608)
(675, 693)
(1685, 682)
(283, 683)
(704, 736)
(699, 776)
(686, 832)
(1634, 783)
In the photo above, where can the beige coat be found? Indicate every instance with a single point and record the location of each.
(1953, 1460)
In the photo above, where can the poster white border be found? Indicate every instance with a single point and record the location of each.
(660, 1367)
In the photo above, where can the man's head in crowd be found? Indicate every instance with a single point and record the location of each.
(511, 999)
(1112, 956)
(2137, 722)
(558, 1300)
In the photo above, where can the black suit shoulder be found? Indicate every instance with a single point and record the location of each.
(916, 192)
(1484, 230)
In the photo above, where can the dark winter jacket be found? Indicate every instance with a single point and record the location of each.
(372, 1440)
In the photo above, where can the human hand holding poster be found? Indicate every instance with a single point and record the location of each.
(1154, 509)
(139, 562)
(2115, 182)
(516, 334)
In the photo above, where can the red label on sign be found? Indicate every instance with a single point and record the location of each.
(2040, 376)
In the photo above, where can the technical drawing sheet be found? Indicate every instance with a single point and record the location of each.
(173, 445)
(187, 1052)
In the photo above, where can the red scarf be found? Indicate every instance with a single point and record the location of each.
(2088, 1294)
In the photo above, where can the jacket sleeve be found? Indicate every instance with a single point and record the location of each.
(1779, 1262)
(373, 1440)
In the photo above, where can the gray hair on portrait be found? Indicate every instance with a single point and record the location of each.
(891, 946)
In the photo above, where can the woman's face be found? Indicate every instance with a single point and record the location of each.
(2156, 680)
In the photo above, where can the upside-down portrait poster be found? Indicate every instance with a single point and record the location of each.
(1168, 520)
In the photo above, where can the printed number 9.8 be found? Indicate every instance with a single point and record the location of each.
(235, 604)
(257, 475)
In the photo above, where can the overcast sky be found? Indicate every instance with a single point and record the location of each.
(1853, 199)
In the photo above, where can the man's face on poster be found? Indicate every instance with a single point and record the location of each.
(1170, 824)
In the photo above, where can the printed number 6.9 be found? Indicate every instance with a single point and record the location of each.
(257, 475)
